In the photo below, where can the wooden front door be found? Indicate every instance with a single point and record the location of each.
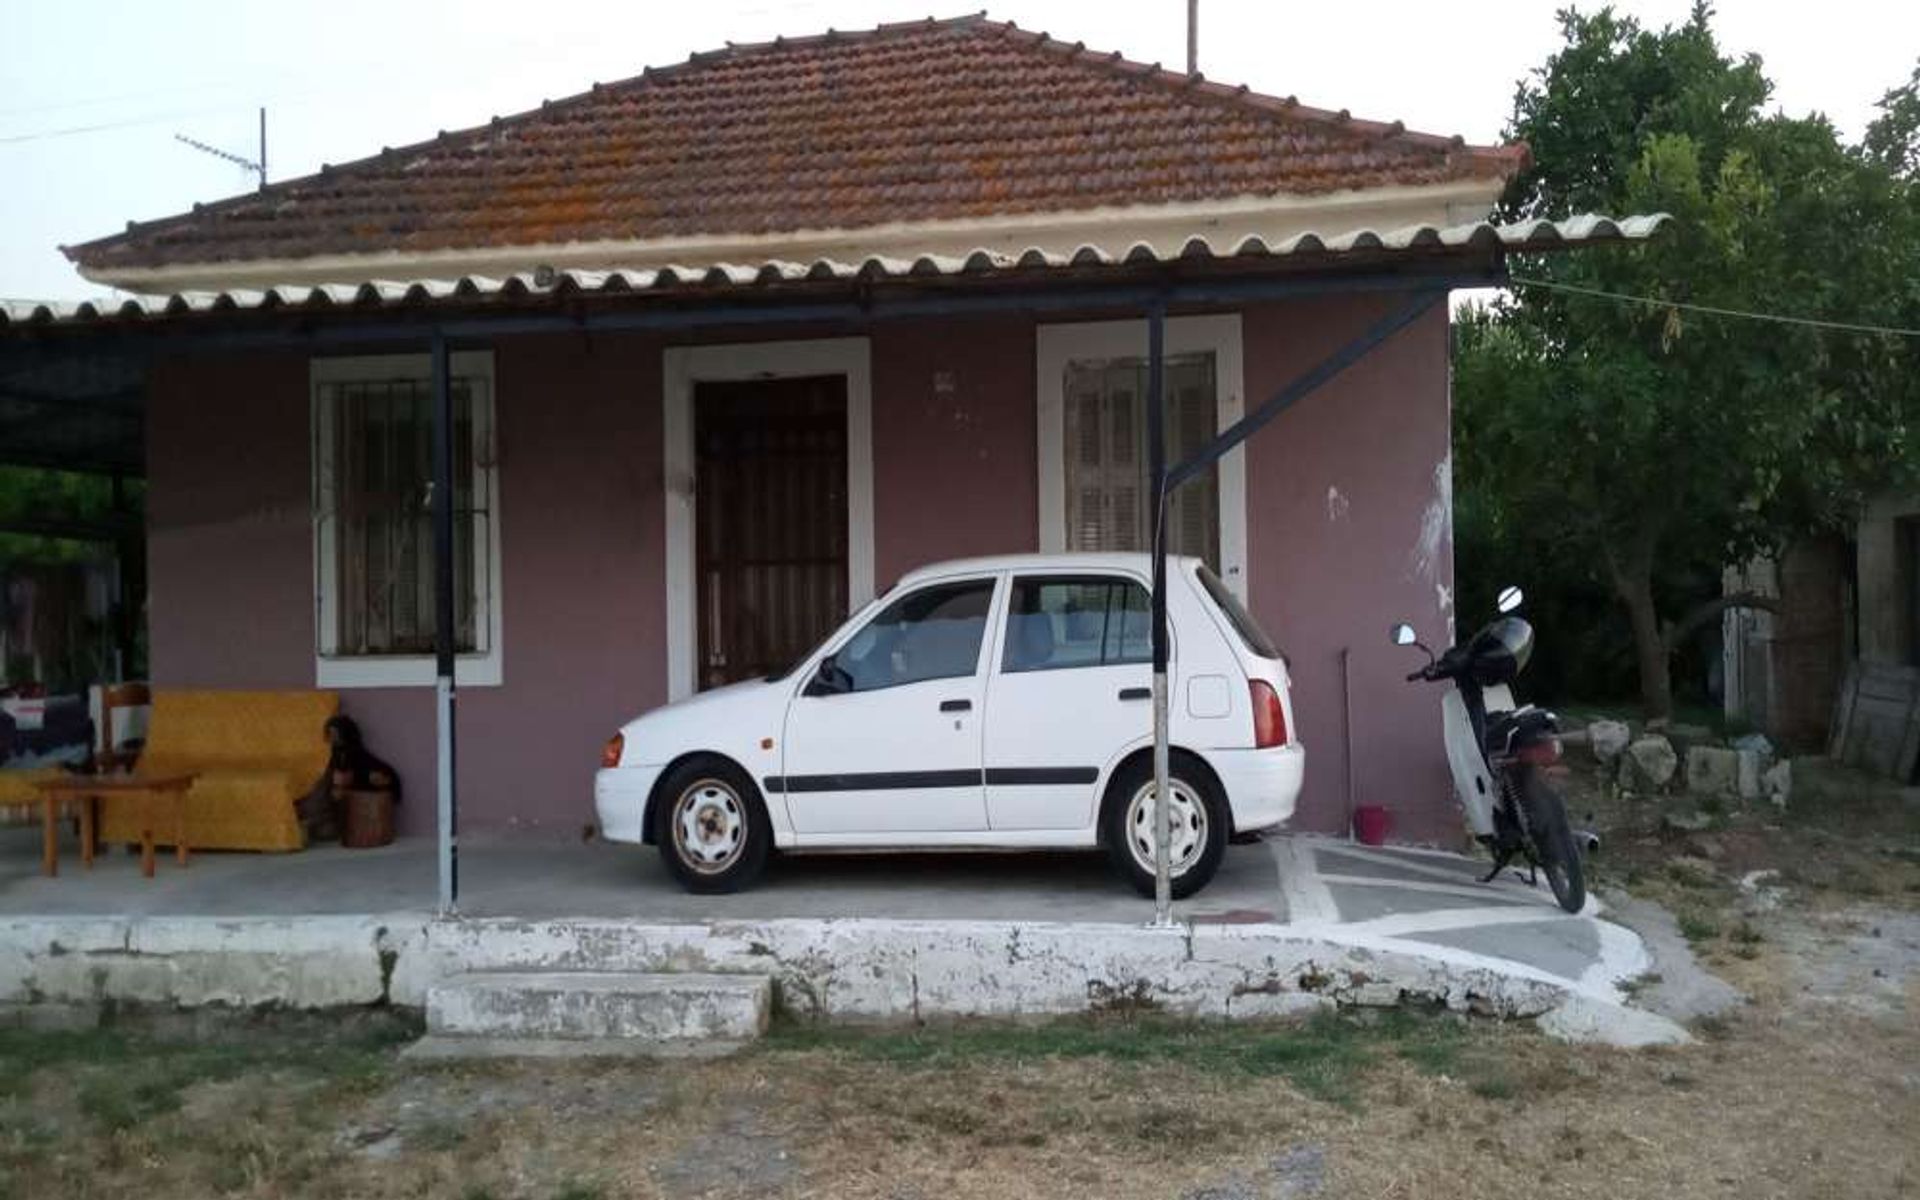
(771, 508)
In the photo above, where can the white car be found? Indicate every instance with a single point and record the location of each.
(992, 702)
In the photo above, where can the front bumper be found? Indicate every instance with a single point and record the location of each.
(1262, 785)
(620, 801)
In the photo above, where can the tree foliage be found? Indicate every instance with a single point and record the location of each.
(1640, 446)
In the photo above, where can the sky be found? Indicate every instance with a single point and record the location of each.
(92, 94)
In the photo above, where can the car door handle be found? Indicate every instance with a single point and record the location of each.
(956, 706)
(1136, 693)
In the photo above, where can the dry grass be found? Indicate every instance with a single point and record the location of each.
(1770, 1106)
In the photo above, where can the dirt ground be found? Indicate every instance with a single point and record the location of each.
(1809, 1089)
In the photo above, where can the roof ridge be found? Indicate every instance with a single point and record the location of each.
(1197, 82)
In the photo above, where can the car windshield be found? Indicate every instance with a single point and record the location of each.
(1253, 637)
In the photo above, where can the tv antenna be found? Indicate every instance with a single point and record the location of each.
(257, 166)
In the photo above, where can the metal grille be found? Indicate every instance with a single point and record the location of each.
(1106, 437)
(377, 496)
(771, 517)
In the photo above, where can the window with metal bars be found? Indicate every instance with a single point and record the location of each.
(373, 511)
(1107, 486)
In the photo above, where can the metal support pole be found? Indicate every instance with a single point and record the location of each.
(1157, 462)
(1193, 37)
(441, 493)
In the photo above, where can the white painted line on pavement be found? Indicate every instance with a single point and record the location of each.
(1457, 918)
(1308, 900)
(1525, 895)
(1398, 863)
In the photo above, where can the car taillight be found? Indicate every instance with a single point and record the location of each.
(1543, 753)
(610, 753)
(1269, 717)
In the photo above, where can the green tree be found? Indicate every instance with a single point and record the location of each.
(1647, 442)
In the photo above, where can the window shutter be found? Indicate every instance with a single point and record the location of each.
(1107, 488)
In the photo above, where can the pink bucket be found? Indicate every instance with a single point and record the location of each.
(1371, 824)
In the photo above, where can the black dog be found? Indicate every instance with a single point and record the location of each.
(352, 766)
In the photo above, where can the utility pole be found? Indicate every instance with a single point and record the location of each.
(1193, 43)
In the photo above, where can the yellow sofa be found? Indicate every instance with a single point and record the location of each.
(20, 795)
(254, 755)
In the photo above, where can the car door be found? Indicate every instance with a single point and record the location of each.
(885, 739)
(1070, 688)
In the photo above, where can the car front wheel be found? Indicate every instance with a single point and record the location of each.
(711, 826)
(1198, 824)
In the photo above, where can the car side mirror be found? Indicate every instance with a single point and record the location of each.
(1510, 599)
(1403, 635)
(829, 679)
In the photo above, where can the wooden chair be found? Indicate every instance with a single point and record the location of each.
(112, 756)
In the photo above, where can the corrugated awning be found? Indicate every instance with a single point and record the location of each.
(741, 280)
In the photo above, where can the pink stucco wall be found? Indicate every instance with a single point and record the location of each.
(1339, 492)
(954, 427)
(1350, 529)
(582, 538)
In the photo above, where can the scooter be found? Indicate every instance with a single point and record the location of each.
(1499, 753)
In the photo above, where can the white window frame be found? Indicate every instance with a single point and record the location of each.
(1059, 345)
(334, 670)
(685, 366)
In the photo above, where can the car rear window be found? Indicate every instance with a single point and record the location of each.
(1253, 637)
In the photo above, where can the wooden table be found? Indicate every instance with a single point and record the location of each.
(153, 792)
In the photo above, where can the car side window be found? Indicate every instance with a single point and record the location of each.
(932, 633)
(1056, 623)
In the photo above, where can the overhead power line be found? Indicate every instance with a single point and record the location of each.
(1712, 310)
(103, 126)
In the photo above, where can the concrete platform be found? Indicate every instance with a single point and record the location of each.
(631, 1007)
(1289, 924)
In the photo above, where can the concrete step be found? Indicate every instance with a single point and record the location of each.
(629, 1008)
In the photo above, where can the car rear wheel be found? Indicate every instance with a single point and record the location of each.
(1198, 823)
(712, 827)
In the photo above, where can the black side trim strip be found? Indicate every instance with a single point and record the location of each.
(1011, 776)
(871, 781)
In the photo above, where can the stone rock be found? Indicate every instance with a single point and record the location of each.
(1759, 893)
(1296, 1173)
(1778, 782)
(1705, 847)
(1648, 763)
(1686, 821)
(1757, 743)
(1751, 765)
(1608, 739)
(1299, 1171)
(1713, 771)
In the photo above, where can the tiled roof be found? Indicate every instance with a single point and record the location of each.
(743, 279)
(930, 121)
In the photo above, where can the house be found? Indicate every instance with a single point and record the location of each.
(736, 342)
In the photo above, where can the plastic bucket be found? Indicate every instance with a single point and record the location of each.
(1372, 824)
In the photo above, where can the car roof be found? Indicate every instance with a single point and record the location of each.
(1133, 563)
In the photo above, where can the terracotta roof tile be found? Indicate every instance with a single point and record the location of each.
(929, 121)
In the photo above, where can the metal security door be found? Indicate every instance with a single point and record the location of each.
(771, 513)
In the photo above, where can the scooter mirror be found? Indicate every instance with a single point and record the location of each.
(1403, 634)
(1510, 599)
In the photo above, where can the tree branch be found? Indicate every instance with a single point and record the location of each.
(1700, 614)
